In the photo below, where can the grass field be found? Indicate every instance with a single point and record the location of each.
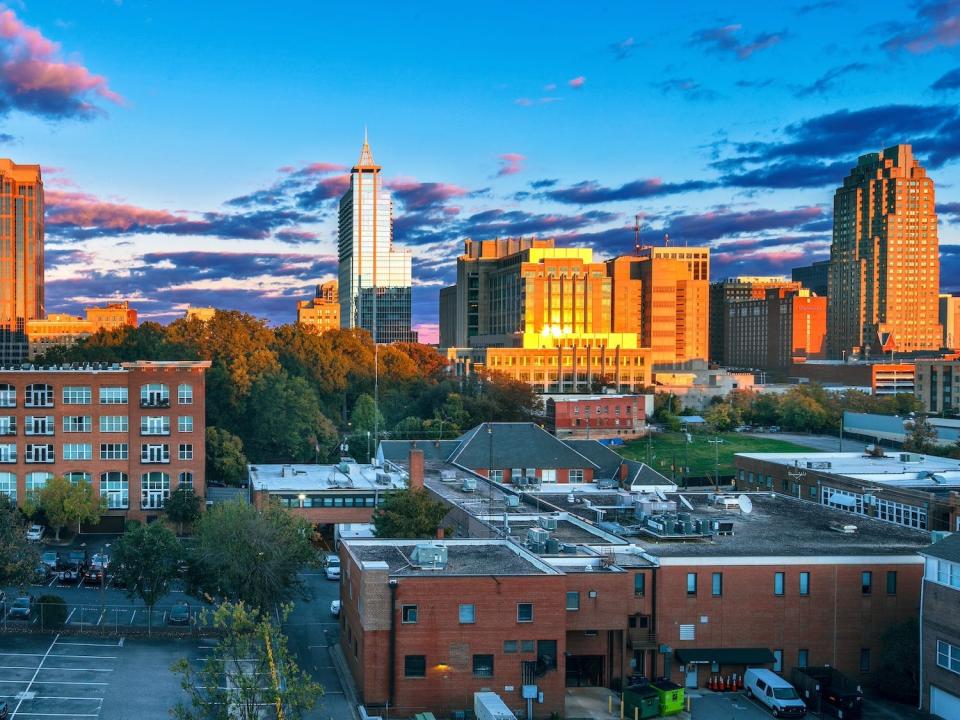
(665, 449)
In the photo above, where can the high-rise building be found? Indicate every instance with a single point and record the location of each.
(737, 289)
(322, 313)
(375, 277)
(815, 277)
(884, 261)
(21, 256)
(950, 320)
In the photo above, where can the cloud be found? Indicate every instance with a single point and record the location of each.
(577, 82)
(623, 49)
(936, 25)
(510, 164)
(827, 81)
(716, 224)
(948, 81)
(544, 183)
(949, 209)
(530, 102)
(34, 80)
(329, 188)
(312, 184)
(725, 40)
(590, 192)
(815, 6)
(687, 87)
(416, 195)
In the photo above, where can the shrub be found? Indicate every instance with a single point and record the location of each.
(52, 610)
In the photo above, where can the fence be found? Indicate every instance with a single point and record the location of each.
(93, 619)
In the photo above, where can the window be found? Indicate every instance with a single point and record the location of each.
(527, 646)
(483, 666)
(639, 584)
(691, 584)
(113, 451)
(496, 475)
(866, 582)
(38, 425)
(77, 451)
(76, 396)
(8, 395)
(948, 656)
(408, 614)
(114, 423)
(468, 614)
(116, 488)
(573, 600)
(547, 653)
(803, 658)
(37, 480)
(576, 476)
(39, 453)
(185, 394)
(804, 583)
(778, 581)
(186, 480)
(524, 612)
(864, 660)
(414, 666)
(185, 423)
(509, 646)
(113, 396)
(8, 424)
(75, 477)
(38, 395)
(891, 582)
(154, 425)
(778, 660)
(688, 632)
(716, 584)
(186, 451)
(154, 490)
(154, 453)
(8, 453)
(8, 485)
(154, 395)
(77, 423)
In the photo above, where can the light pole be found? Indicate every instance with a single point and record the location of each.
(368, 446)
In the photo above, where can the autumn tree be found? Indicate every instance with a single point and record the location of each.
(18, 557)
(225, 459)
(64, 503)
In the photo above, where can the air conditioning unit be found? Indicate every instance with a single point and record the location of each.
(513, 501)
(429, 556)
(469, 485)
(548, 523)
(537, 537)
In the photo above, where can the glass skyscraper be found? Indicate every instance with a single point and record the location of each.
(375, 278)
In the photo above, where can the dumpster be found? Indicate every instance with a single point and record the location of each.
(671, 697)
(644, 698)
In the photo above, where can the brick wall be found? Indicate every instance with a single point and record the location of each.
(939, 623)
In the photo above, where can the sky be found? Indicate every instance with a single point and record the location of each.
(193, 153)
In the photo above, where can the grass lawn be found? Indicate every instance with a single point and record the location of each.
(666, 448)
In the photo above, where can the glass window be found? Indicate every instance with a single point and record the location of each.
(864, 659)
(186, 481)
(640, 584)
(114, 423)
(527, 646)
(186, 451)
(154, 453)
(8, 453)
(155, 425)
(154, 395)
(38, 425)
(8, 395)
(37, 480)
(496, 475)
(77, 476)
(8, 424)
(114, 451)
(483, 666)
(154, 490)
(77, 423)
(116, 488)
(408, 614)
(77, 451)
(866, 582)
(547, 653)
(891, 582)
(948, 656)
(509, 646)
(804, 583)
(414, 666)
(778, 660)
(576, 476)
(778, 583)
(185, 423)
(185, 394)
(524, 612)
(113, 396)
(39, 454)
(691, 584)
(716, 584)
(468, 614)
(76, 395)
(38, 395)
(573, 600)
(8, 485)
(803, 658)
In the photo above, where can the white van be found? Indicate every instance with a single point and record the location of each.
(777, 694)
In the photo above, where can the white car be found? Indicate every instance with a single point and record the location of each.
(335, 608)
(333, 567)
(35, 533)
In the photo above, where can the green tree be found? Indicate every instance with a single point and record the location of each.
(250, 668)
(64, 503)
(665, 404)
(799, 410)
(410, 427)
(225, 459)
(408, 514)
(723, 416)
(897, 675)
(250, 555)
(18, 557)
(145, 561)
(365, 416)
(183, 506)
(921, 435)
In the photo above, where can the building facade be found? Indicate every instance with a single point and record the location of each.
(884, 260)
(374, 277)
(737, 289)
(322, 313)
(939, 631)
(598, 416)
(62, 329)
(21, 256)
(814, 277)
(949, 315)
(937, 385)
(136, 431)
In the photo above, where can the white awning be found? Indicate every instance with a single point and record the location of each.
(844, 500)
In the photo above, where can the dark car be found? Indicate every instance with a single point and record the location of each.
(4, 711)
(69, 574)
(94, 575)
(78, 558)
(179, 614)
(51, 558)
(21, 608)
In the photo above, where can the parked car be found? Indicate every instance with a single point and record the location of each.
(179, 614)
(35, 533)
(78, 558)
(335, 608)
(4, 711)
(69, 574)
(775, 693)
(94, 575)
(332, 567)
(21, 608)
(774, 429)
(41, 573)
(51, 558)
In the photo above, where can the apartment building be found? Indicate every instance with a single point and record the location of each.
(598, 416)
(136, 431)
(321, 313)
(939, 632)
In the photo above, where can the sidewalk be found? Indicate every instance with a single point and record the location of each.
(346, 679)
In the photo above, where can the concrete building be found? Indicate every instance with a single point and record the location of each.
(598, 416)
(322, 313)
(698, 384)
(949, 316)
(737, 289)
(58, 329)
(879, 378)
(814, 277)
(769, 334)
(939, 631)
(374, 276)
(937, 384)
(134, 430)
(21, 256)
(884, 260)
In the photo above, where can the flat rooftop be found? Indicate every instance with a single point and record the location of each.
(464, 557)
(569, 529)
(323, 478)
(901, 469)
(92, 367)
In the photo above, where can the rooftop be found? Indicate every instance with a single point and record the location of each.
(323, 478)
(106, 367)
(464, 557)
(569, 529)
(898, 469)
(946, 549)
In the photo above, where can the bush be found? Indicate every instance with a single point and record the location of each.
(131, 525)
(52, 610)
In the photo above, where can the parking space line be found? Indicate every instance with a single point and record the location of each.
(76, 669)
(72, 611)
(80, 644)
(37, 672)
(33, 714)
(61, 682)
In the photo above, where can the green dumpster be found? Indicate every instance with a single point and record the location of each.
(644, 698)
(671, 697)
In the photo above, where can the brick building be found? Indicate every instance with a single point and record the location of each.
(878, 378)
(136, 431)
(61, 329)
(939, 631)
(737, 289)
(598, 416)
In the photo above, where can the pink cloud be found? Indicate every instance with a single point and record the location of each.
(510, 164)
(316, 168)
(428, 333)
(417, 195)
(85, 210)
(577, 82)
(529, 102)
(938, 25)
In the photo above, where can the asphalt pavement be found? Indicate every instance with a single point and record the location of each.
(820, 443)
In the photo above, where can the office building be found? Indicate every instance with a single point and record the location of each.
(884, 260)
(735, 289)
(61, 329)
(939, 631)
(374, 277)
(814, 277)
(21, 256)
(949, 315)
(134, 430)
(937, 384)
(322, 313)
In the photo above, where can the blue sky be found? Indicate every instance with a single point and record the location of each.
(193, 152)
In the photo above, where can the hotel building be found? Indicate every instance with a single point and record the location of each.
(322, 313)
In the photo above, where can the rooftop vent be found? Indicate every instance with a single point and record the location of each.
(448, 475)
(548, 523)
(513, 501)
(429, 556)
(843, 529)
(469, 485)
(383, 479)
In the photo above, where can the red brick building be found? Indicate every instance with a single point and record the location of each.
(598, 416)
(939, 631)
(136, 431)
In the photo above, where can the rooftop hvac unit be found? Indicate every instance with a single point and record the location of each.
(537, 536)
(553, 546)
(469, 485)
(548, 523)
(513, 501)
(383, 479)
(448, 476)
(344, 468)
(429, 556)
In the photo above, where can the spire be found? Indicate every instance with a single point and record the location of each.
(366, 157)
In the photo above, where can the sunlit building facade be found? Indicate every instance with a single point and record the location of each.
(58, 329)
(737, 289)
(374, 277)
(322, 313)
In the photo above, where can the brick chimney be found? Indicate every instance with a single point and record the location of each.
(416, 468)
(623, 471)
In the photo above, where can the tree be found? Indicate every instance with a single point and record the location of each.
(183, 506)
(408, 514)
(18, 557)
(145, 562)
(897, 675)
(921, 436)
(248, 554)
(64, 503)
(723, 416)
(250, 668)
(365, 416)
(225, 459)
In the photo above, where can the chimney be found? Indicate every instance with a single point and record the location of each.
(440, 533)
(623, 471)
(416, 468)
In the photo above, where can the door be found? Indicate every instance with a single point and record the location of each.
(691, 676)
(944, 704)
(548, 476)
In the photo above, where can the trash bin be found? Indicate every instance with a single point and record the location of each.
(671, 697)
(644, 698)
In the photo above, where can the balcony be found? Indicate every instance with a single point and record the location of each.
(154, 433)
(641, 638)
(154, 402)
(154, 461)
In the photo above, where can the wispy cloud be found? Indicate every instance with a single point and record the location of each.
(510, 164)
(686, 87)
(577, 82)
(726, 39)
(936, 25)
(948, 81)
(530, 102)
(623, 49)
(829, 79)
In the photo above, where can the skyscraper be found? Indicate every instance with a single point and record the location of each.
(21, 256)
(374, 277)
(884, 261)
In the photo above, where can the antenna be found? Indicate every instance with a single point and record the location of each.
(636, 233)
(666, 239)
(746, 504)
(685, 502)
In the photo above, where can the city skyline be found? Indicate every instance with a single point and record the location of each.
(233, 204)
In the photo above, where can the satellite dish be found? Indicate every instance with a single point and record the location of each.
(685, 502)
(659, 492)
(746, 504)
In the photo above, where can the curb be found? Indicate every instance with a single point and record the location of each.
(346, 679)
